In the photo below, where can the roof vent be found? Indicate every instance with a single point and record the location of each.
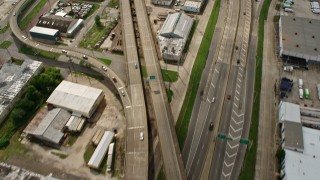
(294, 19)
(313, 36)
(295, 33)
(310, 22)
(297, 45)
(316, 49)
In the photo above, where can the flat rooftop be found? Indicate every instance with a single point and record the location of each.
(300, 37)
(304, 166)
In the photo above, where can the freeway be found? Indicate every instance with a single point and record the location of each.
(224, 99)
(173, 165)
(137, 151)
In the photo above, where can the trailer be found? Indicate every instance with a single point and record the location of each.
(110, 157)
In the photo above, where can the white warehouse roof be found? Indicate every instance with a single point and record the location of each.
(42, 30)
(75, 97)
(193, 4)
(101, 150)
(176, 25)
(289, 112)
(304, 166)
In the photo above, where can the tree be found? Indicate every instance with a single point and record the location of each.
(18, 115)
(97, 20)
(25, 104)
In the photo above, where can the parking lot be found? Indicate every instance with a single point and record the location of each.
(302, 8)
(310, 80)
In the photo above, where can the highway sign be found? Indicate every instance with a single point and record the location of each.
(225, 137)
(244, 141)
(152, 77)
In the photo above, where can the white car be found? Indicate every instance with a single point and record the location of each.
(122, 93)
(104, 68)
(141, 136)
(64, 51)
(213, 99)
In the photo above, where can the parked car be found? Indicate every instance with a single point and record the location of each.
(104, 68)
(141, 136)
(114, 80)
(211, 126)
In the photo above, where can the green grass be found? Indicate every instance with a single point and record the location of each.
(95, 76)
(248, 169)
(169, 94)
(15, 147)
(199, 64)
(113, 3)
(60, 155)
(144, 71)
(161, 175)
(17, 61)
(94, 35)
(94, 8)
(105, 61)
(26, 21)
(5, 28)
(193, 29)
(40, 53)
(5, 44)
(71, 139)
(169, 76)
(88, 153)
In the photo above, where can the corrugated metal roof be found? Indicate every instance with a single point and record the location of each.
(101, 150)
(42, 30)
(176, 25)
(75, 97)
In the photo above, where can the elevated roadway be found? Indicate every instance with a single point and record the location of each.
(137, 151)
(167, 135)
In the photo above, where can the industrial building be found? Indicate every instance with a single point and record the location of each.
(162, 2)
(13, 79)
(101, 150)
(192, 6)
(299, 40)
(50, 129)
(300, 141)
(79, 99)
(173, 35)
(46, 35)
(67, 26)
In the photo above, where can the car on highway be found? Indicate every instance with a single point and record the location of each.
(213, 99)
(211, 126)
(14, 13)
(136, 65)
(85, 57)
(104, 68)
(114, 80)
(122, 93)
(141, 136)
(229, 97)
(64, 51)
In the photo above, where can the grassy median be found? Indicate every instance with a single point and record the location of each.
(4, 29)
(26, 21)
(40, 53)
(5, 44)
(199, 64)
(248, 169)
(105, 61)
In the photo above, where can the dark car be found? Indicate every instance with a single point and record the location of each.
(211, 126)
(114, 80)
(229, 97)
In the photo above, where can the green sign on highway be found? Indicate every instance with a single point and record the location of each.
(152, 77)
(225, 137)
(244, 141)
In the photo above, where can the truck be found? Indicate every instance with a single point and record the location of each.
(301, 93)
(300, 83)
(306, 93)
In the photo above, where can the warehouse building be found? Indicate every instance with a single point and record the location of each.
(301, 144)
(173, 35)
(50, 129)
(13, 78)
(45, 35)
(81, 100)
(162, 2)
(68, 27)
(101, 150)
(192, 6)
(299, 42)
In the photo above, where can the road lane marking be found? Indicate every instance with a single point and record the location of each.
(136, 127)
(237, 98)
(232, 147)
(237, 92)
(235, 105)
(228, 165)
(128, 107)
(239, 79)
(235, 130)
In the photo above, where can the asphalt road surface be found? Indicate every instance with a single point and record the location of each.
(167, 135)
(137, 150)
